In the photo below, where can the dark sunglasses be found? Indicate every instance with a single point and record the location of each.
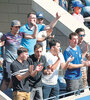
(82, 35)
(17, 26)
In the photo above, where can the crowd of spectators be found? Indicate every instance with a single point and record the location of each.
(30, 69)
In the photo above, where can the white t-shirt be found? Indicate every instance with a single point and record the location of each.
(79, 17)
(52, 78)
(40, 35)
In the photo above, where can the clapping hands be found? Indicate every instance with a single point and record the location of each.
(70, 59)
(39, 67)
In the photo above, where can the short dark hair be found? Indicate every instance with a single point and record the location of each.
(21, 50)
(28, 15)
(53, 42)
(72, 34)
(78, 30)
(37, 46)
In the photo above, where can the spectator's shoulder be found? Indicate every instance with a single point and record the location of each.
(29, 58)
(13, 65)
(23, 27)
(6, 34)
(14, 62)
(67, 49)
(43, 57)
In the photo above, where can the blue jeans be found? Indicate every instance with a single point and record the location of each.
(50, 90)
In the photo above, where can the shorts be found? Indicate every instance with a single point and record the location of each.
(73, 85)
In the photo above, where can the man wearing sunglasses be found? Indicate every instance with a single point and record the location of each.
(84, 49)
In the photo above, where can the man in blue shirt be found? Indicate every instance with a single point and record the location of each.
(73, 73)
(29, 28)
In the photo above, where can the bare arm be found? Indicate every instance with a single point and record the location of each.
(33, 73)
(21, 77)
(2, 43)
(34, 35)
(71, 66)
(55, 65)
(53, 23)
(84, 63)
(41, 39)
(48, 32)
(64, 66)
(47, 71)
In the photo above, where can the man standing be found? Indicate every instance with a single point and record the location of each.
(40, 18)
(73, 72)
(11, 45)
(84, 49)
(20, 75)
(43, 36)
(28, 28)
(36, 76)
(54, 60)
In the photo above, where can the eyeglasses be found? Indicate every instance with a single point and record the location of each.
(82, 35)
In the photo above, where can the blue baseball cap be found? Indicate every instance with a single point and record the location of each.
(39, 15)
(77, 3)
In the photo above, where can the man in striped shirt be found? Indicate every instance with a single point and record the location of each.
(20, 75)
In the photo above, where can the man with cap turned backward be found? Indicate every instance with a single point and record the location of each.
(44, 35)
(11, 41)
(40, 17)
(77, 5)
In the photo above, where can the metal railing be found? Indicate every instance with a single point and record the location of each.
(68, 94)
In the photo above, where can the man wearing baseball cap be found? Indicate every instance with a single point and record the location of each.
(15, 23)
(40, 17)
(77, 5)
(12, 41)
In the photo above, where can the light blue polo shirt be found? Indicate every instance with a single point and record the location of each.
(30, 43)
(73, 73)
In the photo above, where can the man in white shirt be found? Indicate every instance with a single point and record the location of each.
(54, 59)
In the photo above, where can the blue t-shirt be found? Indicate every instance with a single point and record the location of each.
(30, 43)
(74, 73)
